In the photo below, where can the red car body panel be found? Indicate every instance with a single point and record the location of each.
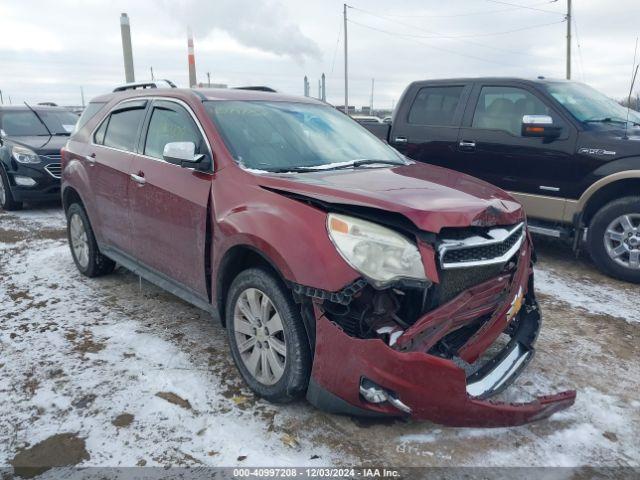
(434, 388)
(164, 225)
(431, 197)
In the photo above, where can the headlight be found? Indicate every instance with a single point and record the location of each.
(25, 155)
(380, 254)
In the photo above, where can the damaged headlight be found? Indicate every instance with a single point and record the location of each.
(379, 253)
(24, 155)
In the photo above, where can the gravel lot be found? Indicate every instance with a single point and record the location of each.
(116, 372)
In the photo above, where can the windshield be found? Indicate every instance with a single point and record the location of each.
(587, 104)
(25, 122)
(280, 135)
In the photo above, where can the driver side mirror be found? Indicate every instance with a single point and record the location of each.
(183, 154)
(539, 126)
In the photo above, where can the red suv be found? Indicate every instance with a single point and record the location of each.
(342, 270)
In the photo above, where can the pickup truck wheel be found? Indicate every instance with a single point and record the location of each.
(267, 337)
(614, 239)
(84, 248)
(6, 197)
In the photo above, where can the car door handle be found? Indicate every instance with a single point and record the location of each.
(400, 140)
(139, 179)
(467, 144)
(91, 159)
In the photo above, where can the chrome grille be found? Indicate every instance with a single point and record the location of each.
(492, 246)
(54, 169)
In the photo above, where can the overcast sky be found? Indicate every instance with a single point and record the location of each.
(48, 50)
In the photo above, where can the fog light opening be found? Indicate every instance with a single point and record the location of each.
(374, 393)
(24, 181)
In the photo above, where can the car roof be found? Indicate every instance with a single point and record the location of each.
(539, 80)
(38, 108)
(205, 94)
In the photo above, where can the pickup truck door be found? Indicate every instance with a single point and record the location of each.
(169, 203)
(492, 148)
(426, 125)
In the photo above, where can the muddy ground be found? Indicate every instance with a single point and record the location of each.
(116, 372)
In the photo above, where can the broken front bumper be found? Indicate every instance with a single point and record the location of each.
(426, 386)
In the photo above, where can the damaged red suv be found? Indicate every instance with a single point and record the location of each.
(342, 271)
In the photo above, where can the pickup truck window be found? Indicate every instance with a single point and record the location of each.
(120, 130)
(170, 123)
(435, 106)
(502, 108)
(588, 105)
(274, 136)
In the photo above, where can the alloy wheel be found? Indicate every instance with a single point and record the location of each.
(622, 240)
(259, 336)
(79, 240)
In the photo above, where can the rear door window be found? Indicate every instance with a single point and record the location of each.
(435, 106)
(120, 129)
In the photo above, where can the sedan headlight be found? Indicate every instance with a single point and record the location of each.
(380, 254)
(24, 155)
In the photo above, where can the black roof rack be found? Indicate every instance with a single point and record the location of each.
(144, 85)
(257, 88)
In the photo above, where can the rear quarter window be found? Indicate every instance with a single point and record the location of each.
(435, 105)
(92, 109)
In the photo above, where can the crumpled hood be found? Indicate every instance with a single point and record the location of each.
(431, 197)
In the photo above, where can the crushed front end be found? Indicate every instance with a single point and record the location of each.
(435, 350)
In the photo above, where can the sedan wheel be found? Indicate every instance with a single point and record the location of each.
(79, 240)
(260, 336)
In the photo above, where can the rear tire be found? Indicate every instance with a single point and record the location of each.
(83, 245)
(613, 239)
(271, 353)
(6, 197)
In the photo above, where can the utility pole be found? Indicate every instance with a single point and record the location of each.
(152, 77)
(346, 65)
(209, 79)
(323, 95)
(568, 39)
(82, 96)
(127, 52)
(371, 101)
(1, 100)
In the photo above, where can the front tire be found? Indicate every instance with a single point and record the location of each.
(614, 239)
(84, 248)
(6, 197)
(268, 340)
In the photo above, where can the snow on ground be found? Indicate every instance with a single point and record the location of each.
(135, 376)
(74, 361)
(588, 295)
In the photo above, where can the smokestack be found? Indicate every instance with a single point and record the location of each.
(192, 60)
(125, 31)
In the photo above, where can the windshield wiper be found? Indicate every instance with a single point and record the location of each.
(608, 120)
(364, 162)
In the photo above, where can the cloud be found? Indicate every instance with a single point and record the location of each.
(259, 24)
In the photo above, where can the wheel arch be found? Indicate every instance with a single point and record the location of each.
(235, 260)
(70, 196)
(606, 189)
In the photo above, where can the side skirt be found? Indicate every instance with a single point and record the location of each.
(159, 279)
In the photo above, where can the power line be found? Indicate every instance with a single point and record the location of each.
(436, 34)
(335, 51)
(526, 7)
(470, 14)
(413, 37)
(504, 32)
